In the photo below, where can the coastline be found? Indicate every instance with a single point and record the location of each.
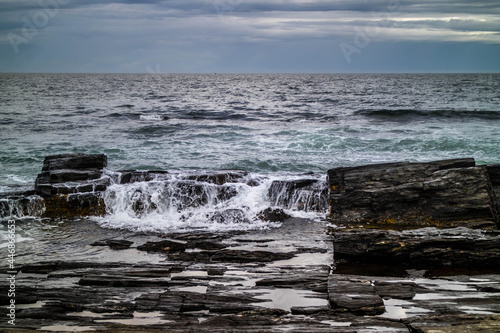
(303, 276)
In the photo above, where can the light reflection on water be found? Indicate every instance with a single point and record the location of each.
(51, 240)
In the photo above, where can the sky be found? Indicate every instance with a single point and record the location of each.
(249, 36)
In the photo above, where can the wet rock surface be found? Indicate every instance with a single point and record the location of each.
(304, 276)
(275, 280)
(421, 249)
(441, 193)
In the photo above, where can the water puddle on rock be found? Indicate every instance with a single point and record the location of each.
(474, 310)
(304, 259)
(36, 305)
(447, 285)
(400, 309)
(336, 323)
(90, 314)
(189, 274)
(285, 299)
(68, 328)
(440, 296)
(195, 289)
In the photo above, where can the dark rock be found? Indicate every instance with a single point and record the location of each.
(148, 301)
(355, 296)
(397, 290)
(220, 177)
(114, 244)
(273, 215)
(74, 205)
(494, 173)
(436, 193)
(242, 256)
(121, 281)
(206, 245)
(168, 245)
(51, 266)
(216, 271)
(233, 256)
(296, 310)
(71, 173)
(133, 176)
(63, 175)
(421, 248)
(177, 245)
(75, 162)
(21, 204)
(315, 281)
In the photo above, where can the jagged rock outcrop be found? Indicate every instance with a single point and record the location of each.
(440, 193)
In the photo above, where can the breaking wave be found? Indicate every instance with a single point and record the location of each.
(220, 201)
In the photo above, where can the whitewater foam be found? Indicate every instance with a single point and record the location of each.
(177, 202)
(155, 117)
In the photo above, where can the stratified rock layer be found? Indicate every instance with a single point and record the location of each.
(421, 248)
(441, 193)
(71, 185)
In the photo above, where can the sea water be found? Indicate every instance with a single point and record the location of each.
(274, 126)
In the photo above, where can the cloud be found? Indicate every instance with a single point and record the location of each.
(130, 35)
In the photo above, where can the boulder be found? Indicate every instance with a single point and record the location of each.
(441, 193)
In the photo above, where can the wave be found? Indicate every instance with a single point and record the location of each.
(214, 201)
(397, 114)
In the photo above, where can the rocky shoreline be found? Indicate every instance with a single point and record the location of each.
(413, 247)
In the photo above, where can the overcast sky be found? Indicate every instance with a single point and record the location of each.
(192, 36)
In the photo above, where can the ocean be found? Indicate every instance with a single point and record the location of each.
(274, 126)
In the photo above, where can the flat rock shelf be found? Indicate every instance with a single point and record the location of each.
(403, 247)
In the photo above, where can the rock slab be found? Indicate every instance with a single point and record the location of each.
(440, 193)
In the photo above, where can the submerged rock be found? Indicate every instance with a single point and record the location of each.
(114, 244)
(273, 215)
